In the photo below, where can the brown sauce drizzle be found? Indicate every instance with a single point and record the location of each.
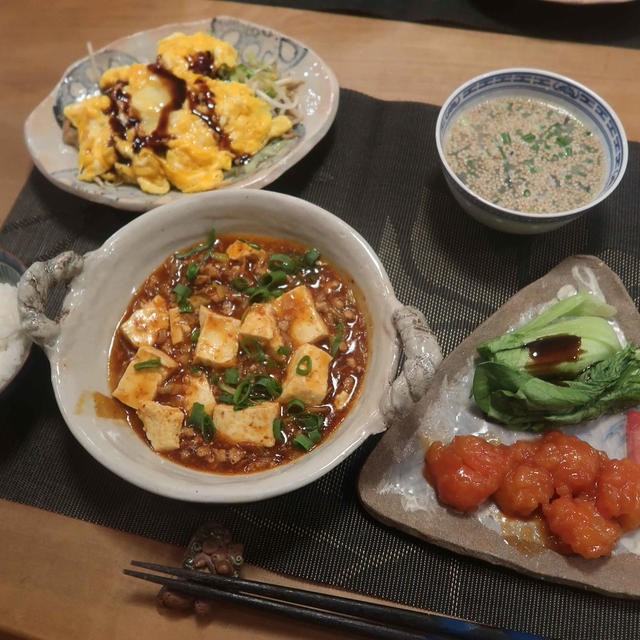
(202, 63)
(202, 104)
(549, 351)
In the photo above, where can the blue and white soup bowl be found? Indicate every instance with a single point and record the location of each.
(553, 89)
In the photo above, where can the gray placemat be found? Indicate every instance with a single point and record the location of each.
(616, 24)
(378, 170)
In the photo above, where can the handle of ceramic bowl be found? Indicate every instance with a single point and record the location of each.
(33, 290)
(422, 358)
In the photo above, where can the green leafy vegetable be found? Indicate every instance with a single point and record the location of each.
(564, 366)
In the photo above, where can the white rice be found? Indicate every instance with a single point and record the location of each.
(13, 342)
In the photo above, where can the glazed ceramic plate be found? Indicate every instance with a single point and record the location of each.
(394, 490)
(318, 99)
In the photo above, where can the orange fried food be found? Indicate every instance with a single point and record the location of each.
(466, 471)
(523, 490)
(579, 524)
(573, 463)
(618, 492)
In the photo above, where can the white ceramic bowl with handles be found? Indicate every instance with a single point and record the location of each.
(102, 282)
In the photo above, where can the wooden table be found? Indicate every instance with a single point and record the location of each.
(61, 577)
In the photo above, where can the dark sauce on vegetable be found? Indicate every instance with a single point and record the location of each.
(202, 63)
(337, 301)
(549, 351)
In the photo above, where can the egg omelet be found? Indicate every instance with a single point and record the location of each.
(175, 122)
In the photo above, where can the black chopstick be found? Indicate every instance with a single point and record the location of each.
(332, 620)
(399, 617)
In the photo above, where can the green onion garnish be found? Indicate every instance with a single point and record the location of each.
(281, 261)
(211, 238)
(252, 348)
(265, 387)
(182, 294)
(147, 364)
(220, 257)
(241, 393)
(277, 430)
(314, 436)
(231, 376)
(294, 406)
(195, 334)
(303, 441)
(337, 339)
(192, 271)
(309, 421)
(310, 257)
(528, 137)
(253, 245)
(202, 420)
(272, 278)
(284, 350)
(506, 138)
(240, 283)
(304, 366)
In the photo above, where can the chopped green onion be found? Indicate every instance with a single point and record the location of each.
(195, 335)
(196, 370)
(182, 294)
(192, 271)
(526, 193)
(283, 262)
(294, 406)
(241, 393)
(303, 441)
(277, 430)
(272, 278)
(253, 245)
(231, 376)
(337, 339)
(147, 364)
(265, 387)
(247, 345)
(226, 398)
(563, 141)
(309, 421)
(240, 283)
(258, 294)
(225, 387)
(202, 420)
(528, 137)
(220, 257)
(304, 366)
(314, 436)
(506, 138)
(284, 350)
(310, 257)
(211, 238)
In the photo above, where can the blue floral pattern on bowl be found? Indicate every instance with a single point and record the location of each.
(318, 96)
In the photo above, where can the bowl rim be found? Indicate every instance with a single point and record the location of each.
(27, 352)
(522, 215)
(269, 483)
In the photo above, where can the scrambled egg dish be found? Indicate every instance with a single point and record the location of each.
(173, 122)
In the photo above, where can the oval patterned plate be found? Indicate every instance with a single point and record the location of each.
(318, 102)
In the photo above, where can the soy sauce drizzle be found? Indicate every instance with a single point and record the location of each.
(202, 104)
(549, 351)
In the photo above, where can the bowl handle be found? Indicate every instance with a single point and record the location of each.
(33, 290)
(422, 358)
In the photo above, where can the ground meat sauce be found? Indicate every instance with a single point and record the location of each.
(585, 500)
(334, 296)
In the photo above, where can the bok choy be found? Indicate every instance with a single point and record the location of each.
(564, 366)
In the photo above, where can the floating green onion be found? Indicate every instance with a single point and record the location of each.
(314, 436)
(309, 421)
(220, 257)
(277, 430)
(253, 245)
(337, 339)
(147, 364)
(211, 238)
(294, 406)
(240, 283)
(304, 366)
(281, 261)
(241, 393)
(195, 335)
(265, 387)
(252, 348)
(303, 441)
(231, 376)
(272, 278)
(202, 420)
(192, 271)
(182, 294)
(310, 257)
(284, 350)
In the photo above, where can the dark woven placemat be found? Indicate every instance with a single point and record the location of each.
(378, 170)
(610, 24)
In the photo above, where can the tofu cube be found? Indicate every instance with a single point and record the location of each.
(138, 385)
(162, 425)
(310, 388)
(218, 341)
(260, 324)
(238, 250)
(144, 325)
(179, 326)
(198, 389)
(253, 424)
(296, 307)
